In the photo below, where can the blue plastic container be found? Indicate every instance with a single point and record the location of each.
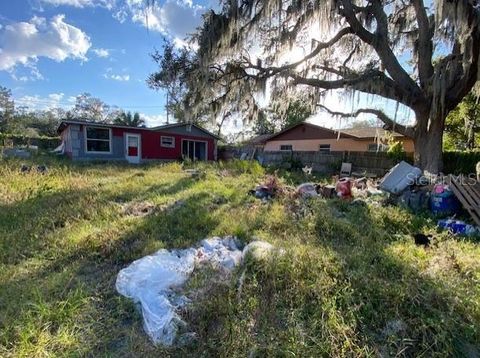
(444, 204)
(457, 227)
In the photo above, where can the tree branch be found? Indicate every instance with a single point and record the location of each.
(407, 131)
(371, 82)
(270, 71)
(424, 44)
(379, 41)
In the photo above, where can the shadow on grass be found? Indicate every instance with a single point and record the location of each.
(398, 310)
(91, 266)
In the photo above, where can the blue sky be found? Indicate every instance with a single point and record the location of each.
(53, 50)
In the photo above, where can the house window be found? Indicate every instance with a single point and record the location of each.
(286, 147)
(168, 142)
(98, 140)
(324, 148)
(377, 147)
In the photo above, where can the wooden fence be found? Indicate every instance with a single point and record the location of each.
(375, 163)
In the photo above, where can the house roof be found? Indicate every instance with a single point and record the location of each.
(368, 132)
(65, 123)
(173, 125)
(319, 132)
(259, 139)
(316, 131)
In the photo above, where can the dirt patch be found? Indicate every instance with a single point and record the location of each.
(142, 208)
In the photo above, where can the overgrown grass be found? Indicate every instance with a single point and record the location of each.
(351, 281)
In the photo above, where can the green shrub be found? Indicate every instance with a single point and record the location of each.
(460, 162)
(396, 151)
(42, 142)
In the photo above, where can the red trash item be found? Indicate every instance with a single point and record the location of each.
(344, 188)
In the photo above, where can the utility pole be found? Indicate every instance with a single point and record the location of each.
(166, 107)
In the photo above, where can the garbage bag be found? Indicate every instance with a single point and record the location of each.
(150, 281)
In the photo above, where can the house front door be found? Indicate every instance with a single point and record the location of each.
(132, 150)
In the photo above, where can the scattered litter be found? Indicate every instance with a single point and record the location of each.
(328, 191)
(422, 239)
(399, 178)
(42, 169)
(375, 192)
(195, 173)
(154, 281)
(307, 190)
(262, 192)
(416, 200)
(360, 183)
(270, 188)
(258, 250)
(307, 170)
(458, 227)
(24, 168)
(443, 201)
(344, 188)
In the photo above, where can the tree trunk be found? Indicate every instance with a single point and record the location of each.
(428, 143)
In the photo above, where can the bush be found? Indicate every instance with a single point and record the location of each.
(44, 143)
(460, 162)
(396, 151)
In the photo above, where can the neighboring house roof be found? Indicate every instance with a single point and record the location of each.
(368, 132)
(260, 139)
(306, 130)
(299, 132)
(65, 123)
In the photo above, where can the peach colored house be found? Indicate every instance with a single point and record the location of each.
(310, 137)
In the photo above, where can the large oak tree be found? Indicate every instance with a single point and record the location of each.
(422, 55)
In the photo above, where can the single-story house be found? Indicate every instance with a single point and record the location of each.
(310, 137)
(85, 140)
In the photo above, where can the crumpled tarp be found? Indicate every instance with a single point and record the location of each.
(150, 281)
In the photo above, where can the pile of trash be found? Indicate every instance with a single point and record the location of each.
(270, 188)
(154, 281)
(404, 185)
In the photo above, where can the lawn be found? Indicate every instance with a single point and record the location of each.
(351, 282)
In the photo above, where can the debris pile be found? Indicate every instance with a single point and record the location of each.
(404, 185)
(270, 188)
(155, 281)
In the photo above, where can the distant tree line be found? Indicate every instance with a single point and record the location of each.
(21, 120)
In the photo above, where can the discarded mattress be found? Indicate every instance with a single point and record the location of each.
(400, 177)
(151, 280)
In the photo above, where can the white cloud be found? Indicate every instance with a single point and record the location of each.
(115, 77)
(174, 18)
(24, 42)
(109, 4)
(101, 52)
(37, 102)
(154, 120)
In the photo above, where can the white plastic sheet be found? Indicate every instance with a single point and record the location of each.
(150, 281)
